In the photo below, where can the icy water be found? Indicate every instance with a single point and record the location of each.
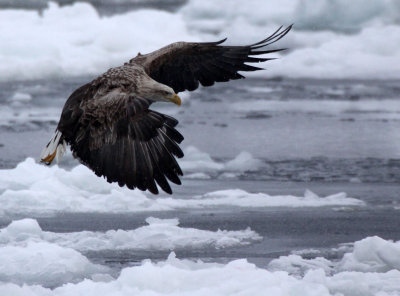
(290, 187)
(326, 136)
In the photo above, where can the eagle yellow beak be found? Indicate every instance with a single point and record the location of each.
(175, 99)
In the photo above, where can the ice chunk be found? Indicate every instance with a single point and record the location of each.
(238, 197)
(372, 254)
(76, 40)
(297, 265)
(20, 230)
(343, 56)
(44, 263)
(239, 277)
(159, 234)
(34, 188)
(243, 162)
(31, 188)
(333, 15)
(196, 160)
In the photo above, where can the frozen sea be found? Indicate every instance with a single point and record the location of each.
(291, 182)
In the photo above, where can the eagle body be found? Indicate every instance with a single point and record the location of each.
(110, 127)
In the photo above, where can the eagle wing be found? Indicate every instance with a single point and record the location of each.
(183, 65)
(117, 136)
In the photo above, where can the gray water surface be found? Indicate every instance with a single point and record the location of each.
(353, 146)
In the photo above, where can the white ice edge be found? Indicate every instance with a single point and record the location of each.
(41, 262)
(159, 235)
(371, 254)
(32, 188)
(239, 277)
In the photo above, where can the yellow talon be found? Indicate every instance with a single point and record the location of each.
(49, 158)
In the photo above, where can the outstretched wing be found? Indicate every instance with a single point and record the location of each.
(119, 137)
(183, 65)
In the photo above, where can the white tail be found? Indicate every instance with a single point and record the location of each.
(54, 149)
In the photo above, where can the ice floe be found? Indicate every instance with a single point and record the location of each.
(371, 254)
(33, 260)
(321, 15)
(196, 161)
(75, 40)
(241, 198)
(331, 39)
(239, 277)
(159, 234)
(43, 262)
(31, 188)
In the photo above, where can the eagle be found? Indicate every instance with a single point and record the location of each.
(110, 127)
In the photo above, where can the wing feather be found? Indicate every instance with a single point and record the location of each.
(183, 66)
(117, 136)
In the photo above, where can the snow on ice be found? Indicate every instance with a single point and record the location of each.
(371, 254)
(159, 234)
(31, 188)
(241, 198)
(238, 277)
(44, 263)
(359, 39)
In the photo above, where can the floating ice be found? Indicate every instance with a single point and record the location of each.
(199, 161)
(35, 188)
(75, 40)
(196, 160)
(31, 188)
(372, 254)
(371, 268)
(44, 263)
(238, 277)
(331, 39)
(330, 15)
(244, 161)
(364, 55)
(241, 198)
(297, 265)
(159, 234)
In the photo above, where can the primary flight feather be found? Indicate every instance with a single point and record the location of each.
(110, 128)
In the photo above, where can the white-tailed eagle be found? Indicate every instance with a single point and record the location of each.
(110, 128)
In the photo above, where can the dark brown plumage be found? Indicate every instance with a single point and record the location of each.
(183, 65)
(111, 129)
